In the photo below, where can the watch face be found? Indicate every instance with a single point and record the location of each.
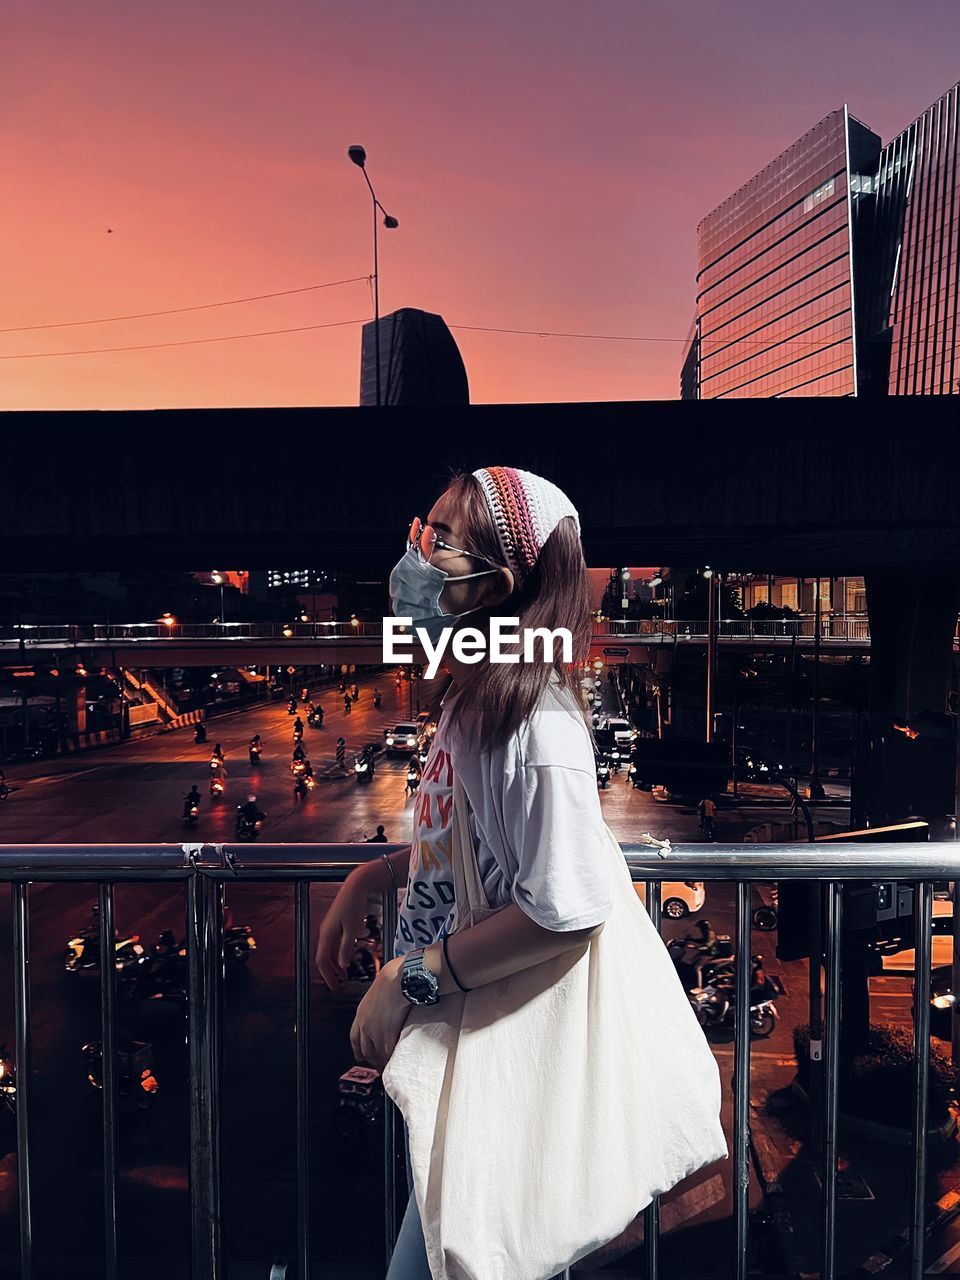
(419, 985)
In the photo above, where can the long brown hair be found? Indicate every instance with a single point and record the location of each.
(499, 697)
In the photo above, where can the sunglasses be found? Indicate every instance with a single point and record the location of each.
(428, 540)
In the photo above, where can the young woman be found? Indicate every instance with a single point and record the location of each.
(499, 542)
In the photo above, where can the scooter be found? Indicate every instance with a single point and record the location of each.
(216, 764)
(247, 828)
(315, 718)
(217, 788)
(200, 733)
(715, 1004)
(616, 760)
(376, 701)
(303, 786)
(697, 964)
(191, 812)
(413, 781)
(363, 770)
(603, 774)
(82, 955)
(292, 707)
(255, 753)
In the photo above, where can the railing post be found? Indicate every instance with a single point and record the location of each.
(302, 962)
(389, 1107)
(108, 1068)
(21, 998)
(651, 1214)
(204, 961)
(923, 914)
(831, 1062)
(741, 1079)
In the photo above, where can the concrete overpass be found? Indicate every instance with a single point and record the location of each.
(805, 487)
(774, 486)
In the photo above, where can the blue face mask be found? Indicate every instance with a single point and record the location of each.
(415, 589)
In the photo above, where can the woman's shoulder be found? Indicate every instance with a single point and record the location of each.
(555, 733)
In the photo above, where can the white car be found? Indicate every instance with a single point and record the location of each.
(678, 898)
(621, 729)
(401, 739)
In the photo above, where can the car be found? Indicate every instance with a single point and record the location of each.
(678, 898)
(402, 738)
(620, 728)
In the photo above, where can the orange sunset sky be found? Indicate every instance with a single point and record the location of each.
(548, 163)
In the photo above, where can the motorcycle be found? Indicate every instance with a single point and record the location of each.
(82, 955)
(292, 707)
(715, 1004)
(298, 766)
(696, 963)
(377, 700)
(603, 774)
(304, 694)
(191, 812)
(315, 718)
(303, 785)
(363, 770)
(217, 788)
(200, 734)
(346, 706)
(216, 764)
(255, 754)
(616, 760)
(135, 1079)
(413, 781)
(633, 776)
(247, 828)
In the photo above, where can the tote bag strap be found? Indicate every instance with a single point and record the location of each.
(467, 885)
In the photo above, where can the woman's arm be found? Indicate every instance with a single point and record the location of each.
(504, 943)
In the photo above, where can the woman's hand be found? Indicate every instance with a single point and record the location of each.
(380, 1017)
(340, 928)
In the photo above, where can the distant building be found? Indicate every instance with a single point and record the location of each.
(420, 362)
(833, 271)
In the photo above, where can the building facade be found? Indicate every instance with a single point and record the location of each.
(777, 297)
(917, 221)
(834, 270)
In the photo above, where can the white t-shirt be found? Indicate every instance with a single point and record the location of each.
(536, 819)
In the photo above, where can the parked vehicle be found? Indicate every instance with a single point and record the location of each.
(678, 898)
(82, 955)
(136, 1081)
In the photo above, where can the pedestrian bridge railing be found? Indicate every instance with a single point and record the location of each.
(848, 629)
(204, 870)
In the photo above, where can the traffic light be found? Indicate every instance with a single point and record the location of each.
(881, 909)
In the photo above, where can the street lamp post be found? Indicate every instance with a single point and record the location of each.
(359, 157)
(219, 579)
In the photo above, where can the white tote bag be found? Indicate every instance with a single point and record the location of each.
(547, 1109)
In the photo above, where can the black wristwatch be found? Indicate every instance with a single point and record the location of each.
(417, 983)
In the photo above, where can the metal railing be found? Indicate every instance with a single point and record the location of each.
(205, 869)
(845, 628)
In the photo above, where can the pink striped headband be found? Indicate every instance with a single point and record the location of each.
(525, 509)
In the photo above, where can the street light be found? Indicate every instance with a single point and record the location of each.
(219, 579)
(359, 157)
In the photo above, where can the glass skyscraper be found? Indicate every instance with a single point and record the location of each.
(777, 302)
(834, 270)
(917, 221)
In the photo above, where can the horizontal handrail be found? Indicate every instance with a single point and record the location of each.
(205, 869)
(840, 860)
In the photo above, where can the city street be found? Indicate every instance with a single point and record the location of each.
(133, 793)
